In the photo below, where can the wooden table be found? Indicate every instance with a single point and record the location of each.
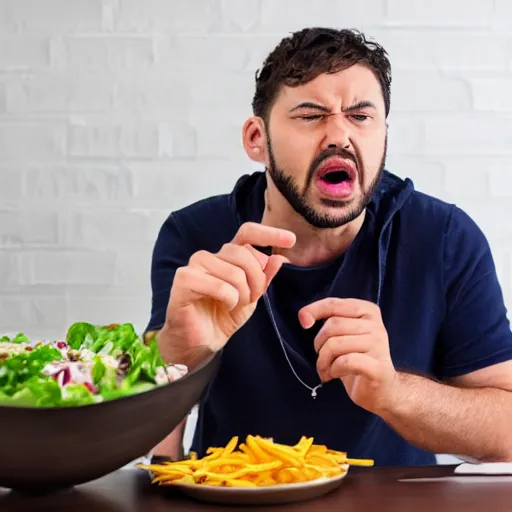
(364, 490)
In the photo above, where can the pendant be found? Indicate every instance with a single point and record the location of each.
(314, 392)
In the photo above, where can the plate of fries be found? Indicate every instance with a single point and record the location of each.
(258, 471)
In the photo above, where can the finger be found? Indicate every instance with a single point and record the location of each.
(227, 269)
(339, 346)
(254, 276)
(337, 326)
(334, 306)
(264, 236)
(260, 257)
(274, 264)
(270, 264)
(191, 284)
(356, 364)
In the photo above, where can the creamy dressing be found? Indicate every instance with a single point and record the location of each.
(8, 348)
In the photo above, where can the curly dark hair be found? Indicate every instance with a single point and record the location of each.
(305, 54)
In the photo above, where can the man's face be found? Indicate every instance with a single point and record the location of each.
(326, 145)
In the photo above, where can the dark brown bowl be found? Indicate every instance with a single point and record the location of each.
(47, 449)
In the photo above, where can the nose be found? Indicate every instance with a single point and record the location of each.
(337, 133)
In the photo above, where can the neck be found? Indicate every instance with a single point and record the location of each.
(314, 246)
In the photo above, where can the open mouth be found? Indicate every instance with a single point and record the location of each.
(335, 173)
(336, 177)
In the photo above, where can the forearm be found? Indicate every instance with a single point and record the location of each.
(446, 419)
(172, 445)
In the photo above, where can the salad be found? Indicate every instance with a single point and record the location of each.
(93, 364)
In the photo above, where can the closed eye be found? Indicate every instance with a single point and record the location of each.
(359, 117)
(314, 117)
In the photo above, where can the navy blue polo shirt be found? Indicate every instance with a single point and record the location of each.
(424, 262)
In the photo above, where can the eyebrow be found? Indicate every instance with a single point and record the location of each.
(310, 105)
(359, 106)
(316, 106)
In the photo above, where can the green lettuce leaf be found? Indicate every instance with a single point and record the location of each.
(105, 377)
(19, 338)
(36, 392)
(80, 334)
(113, 339)
(23, 397)
(127, 389)
(78, 394)
(16, 370)
(145, 360)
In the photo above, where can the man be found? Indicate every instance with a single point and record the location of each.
(347, 305)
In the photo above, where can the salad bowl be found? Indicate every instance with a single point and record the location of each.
(58, 430)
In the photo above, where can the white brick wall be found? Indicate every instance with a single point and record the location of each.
(115, 112)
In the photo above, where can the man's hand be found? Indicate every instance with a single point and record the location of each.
(215, 294)
(353, 346)
(471, 420)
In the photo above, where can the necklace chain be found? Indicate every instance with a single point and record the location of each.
(314, 391)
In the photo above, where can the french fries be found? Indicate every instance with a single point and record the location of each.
(257, 462)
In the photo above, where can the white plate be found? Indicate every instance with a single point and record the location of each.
(265, 495)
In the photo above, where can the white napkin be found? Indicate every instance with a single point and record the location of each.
(473, 473)
(485, 468)
(465, 479)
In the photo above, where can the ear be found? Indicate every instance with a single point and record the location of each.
(254, 139)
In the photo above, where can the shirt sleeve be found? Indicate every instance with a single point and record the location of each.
(171, 251)
(476, 331)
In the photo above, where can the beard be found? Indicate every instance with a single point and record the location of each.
(297, 198)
